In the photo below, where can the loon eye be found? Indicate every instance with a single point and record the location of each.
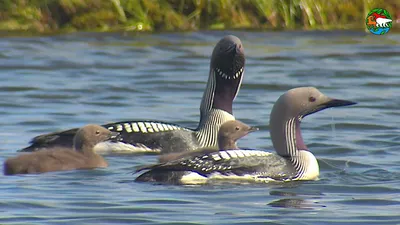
(97, 132)
(237, 128)
(311, 99)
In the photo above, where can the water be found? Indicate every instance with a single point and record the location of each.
(66, 81)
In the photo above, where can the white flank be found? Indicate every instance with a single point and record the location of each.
(193, 178)
(120, 147)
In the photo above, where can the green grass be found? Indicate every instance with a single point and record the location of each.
(183, 15)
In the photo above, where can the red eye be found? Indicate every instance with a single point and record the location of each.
(311, 99)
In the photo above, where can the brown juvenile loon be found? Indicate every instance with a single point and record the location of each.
(81, 156)
(225, 78)
(292, 161)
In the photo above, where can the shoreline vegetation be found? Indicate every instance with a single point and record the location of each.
(47, 16)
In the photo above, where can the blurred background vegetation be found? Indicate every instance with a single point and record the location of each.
(182, 15)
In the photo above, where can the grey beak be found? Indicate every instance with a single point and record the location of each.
(329, 104)
(338, 103)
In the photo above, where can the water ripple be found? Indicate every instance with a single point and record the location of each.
(69, 80)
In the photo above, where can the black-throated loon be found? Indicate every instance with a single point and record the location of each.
(81, 156)
(293, 160)
(229, 133)
(225, 78)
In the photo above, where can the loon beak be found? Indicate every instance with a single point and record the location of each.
(337, 103)
(252, 129)
(330, 103)
(239, 48)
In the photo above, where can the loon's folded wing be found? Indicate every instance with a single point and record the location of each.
(44, 141)
(237, 162)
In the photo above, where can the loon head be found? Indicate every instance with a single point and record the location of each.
(226, 74)
(230, 132)
(228, 60)
(288, 112)
(303, 101)
(90, 135)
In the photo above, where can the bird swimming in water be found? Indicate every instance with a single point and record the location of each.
(154, 136)
(81, 156)
(292, 160)
(229, 133)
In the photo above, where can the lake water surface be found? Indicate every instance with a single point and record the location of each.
(65, 81)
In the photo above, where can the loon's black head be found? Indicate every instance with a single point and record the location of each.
(227, 67)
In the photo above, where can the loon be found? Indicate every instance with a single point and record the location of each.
(225, 78)
(292, 161)
(81, 156)
(228, 134)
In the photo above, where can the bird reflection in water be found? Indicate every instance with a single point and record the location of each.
(295, 202)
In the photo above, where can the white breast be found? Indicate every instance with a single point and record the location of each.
(312, 168)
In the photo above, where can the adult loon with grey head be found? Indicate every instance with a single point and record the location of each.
(293, 160)
(225, 78)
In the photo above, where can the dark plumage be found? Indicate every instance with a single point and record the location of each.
(81, 156)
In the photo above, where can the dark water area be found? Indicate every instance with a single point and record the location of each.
(66, 81)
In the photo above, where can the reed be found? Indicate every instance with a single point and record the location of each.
(173, 15)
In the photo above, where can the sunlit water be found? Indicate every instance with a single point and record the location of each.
(66, 81)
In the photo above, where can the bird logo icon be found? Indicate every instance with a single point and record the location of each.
(378, 21)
